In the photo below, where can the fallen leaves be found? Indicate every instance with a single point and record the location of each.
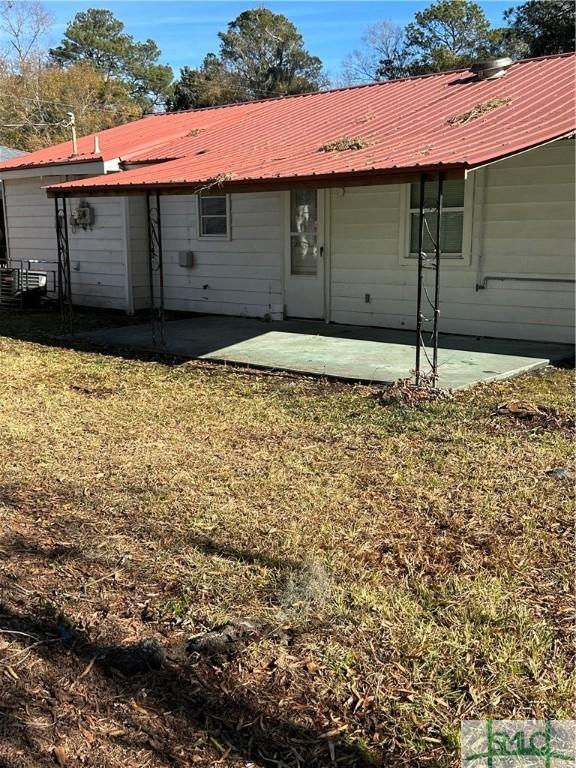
(59, 753)
(536, 415)
(192, 499)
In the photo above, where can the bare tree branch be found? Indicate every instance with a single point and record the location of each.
(381, 55)
(24, 24)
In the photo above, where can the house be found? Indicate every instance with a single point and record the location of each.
(310, 206)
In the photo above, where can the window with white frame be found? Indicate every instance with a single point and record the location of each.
(452, 229)
(213, 216)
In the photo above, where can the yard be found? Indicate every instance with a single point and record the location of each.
(403, 567)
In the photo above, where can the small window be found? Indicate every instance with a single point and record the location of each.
(213, 219)
(452, 218)
(303, 232)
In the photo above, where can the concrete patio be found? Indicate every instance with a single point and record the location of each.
(359, 354)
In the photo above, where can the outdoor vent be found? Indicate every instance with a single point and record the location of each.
(491, 69)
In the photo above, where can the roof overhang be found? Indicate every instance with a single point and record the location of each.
(523, 151)
(366, 178)
(89, 167)
(319, 181)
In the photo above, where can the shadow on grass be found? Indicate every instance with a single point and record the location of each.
(209, 702)
(237, 724)
(45, 327)
(248, 556)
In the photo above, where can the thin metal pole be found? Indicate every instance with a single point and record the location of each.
(155, 267)
(64, 276)
(420, 278)
(436, 317)
(58, 249)
(151, 267)
(160, 273)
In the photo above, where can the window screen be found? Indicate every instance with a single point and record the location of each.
(213, 211)
(452, 218)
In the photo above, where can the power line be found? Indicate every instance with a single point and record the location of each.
(28, 124)
(94, 105)
(33, 100)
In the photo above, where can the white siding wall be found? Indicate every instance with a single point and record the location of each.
(30, 217)
(138, 229)
(97, 256)
(523, 226)
(241, 276)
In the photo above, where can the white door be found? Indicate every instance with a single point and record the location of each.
(304, 274)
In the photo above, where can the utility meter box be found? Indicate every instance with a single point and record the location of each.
(82, 216)
(186, 258)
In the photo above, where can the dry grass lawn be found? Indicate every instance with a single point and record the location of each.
(409, 567)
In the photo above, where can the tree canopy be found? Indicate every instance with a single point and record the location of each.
(265, 51)
(542, 28)
(34, 104)
(23, 27)
(261, 54)
(97, 37)
(105, 76)
(383, 55)
(208, 85)
(37, 95)
(450, 34)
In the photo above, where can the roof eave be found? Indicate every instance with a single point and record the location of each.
(51, 164)
(513, 153)
(354, 178)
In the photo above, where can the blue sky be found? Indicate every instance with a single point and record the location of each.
(185, 31)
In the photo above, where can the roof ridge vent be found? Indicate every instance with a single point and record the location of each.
(491, 69)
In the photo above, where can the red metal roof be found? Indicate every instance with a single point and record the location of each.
(447, 120)
(144, 135)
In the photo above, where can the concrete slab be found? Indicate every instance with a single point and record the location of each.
(347, 352)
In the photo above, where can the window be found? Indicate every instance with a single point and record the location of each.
(452, 218)
(303, 232)
(213, 218)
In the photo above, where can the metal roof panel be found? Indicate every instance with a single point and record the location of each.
(447, 119)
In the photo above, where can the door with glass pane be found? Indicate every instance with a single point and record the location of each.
(304, 283)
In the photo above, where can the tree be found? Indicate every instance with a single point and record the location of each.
(542, 28)
(383, 55)
(207, 86)
(450, 34)
(23, 26)
(266, 52)
(261, 54)
(97, 37)
(35, 102)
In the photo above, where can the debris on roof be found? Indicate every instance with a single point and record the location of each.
(344, 143)
(478, 111)
(217, 181)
